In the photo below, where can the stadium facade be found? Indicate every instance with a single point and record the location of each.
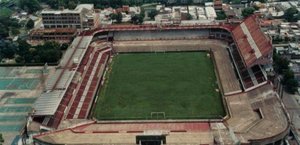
(255, 114)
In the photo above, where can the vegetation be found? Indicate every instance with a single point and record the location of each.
(183, 85)
(137, 19)
(152, 14)
(248, 11)
(278, 39)
(64, 46)
(221, 15)
(7, 24)
(5, 12)
(117, 17)
(30, 6)
(7, 49)
(292, 14)
(281, 66)
(1, 139)
(189, 16)
(50, 52)
(30, 24)
(22, 52)
(235, 1)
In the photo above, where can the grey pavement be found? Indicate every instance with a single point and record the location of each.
(291, 101)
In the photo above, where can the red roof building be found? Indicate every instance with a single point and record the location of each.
(218, 4)
(253, 45)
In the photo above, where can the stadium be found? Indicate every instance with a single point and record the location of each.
(146, 84)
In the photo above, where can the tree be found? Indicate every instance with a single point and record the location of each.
(7, 49)
(3, 31)
(247, 12)
(137, 19)
(15, 31)
(30, 24)
(64, 46)
(291, 14)
(280, 63)
(221, 15)
(30, 6)
(1, 139)
(189, 16)
(235, 1)
(289, 81)
(119, 17)
(48, 53)
(71, 4)
(152, 14)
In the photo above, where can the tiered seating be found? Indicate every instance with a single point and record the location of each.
(258, 74)
(250, 77)
(88, 86)
(92, 88)
(83, 84)
(55, 120)
(161, 35)
(85, 59)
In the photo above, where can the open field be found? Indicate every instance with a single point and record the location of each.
(182, 85)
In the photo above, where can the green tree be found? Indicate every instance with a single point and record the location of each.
(7, 49)
(64, 46)
(280, 63)
(119, 17)
(3, 31)
(152, 14)
(189, 16)
(291, 14)
(1, 139)
(30, 24)
(247, 12)
(221, 15)
(71, 4)
(289, 81)
(30, 6)
(235, 1)
(137, 19)
(47, 53)
(15, 31)
(263, 1)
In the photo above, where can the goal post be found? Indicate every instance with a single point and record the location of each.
(156, 115)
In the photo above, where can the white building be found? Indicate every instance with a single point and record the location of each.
(210, 13)
(83, 16)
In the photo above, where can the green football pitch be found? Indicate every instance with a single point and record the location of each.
(160, 86)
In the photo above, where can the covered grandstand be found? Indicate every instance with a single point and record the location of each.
(245, 45)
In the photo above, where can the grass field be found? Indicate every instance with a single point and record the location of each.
(183, 85)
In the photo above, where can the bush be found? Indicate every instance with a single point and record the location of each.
(30, 24)
(247, 12)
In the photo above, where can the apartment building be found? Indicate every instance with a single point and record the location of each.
(83, 16)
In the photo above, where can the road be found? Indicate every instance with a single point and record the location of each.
(292, 104)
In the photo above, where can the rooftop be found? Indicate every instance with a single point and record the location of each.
(78, 9)
(251, 41)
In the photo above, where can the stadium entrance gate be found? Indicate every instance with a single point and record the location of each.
(151, 139)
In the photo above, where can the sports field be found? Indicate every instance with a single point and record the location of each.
(181, 85)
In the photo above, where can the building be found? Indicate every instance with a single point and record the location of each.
(83, 16)
(60, 35)
(218, 4)
(210, 13)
